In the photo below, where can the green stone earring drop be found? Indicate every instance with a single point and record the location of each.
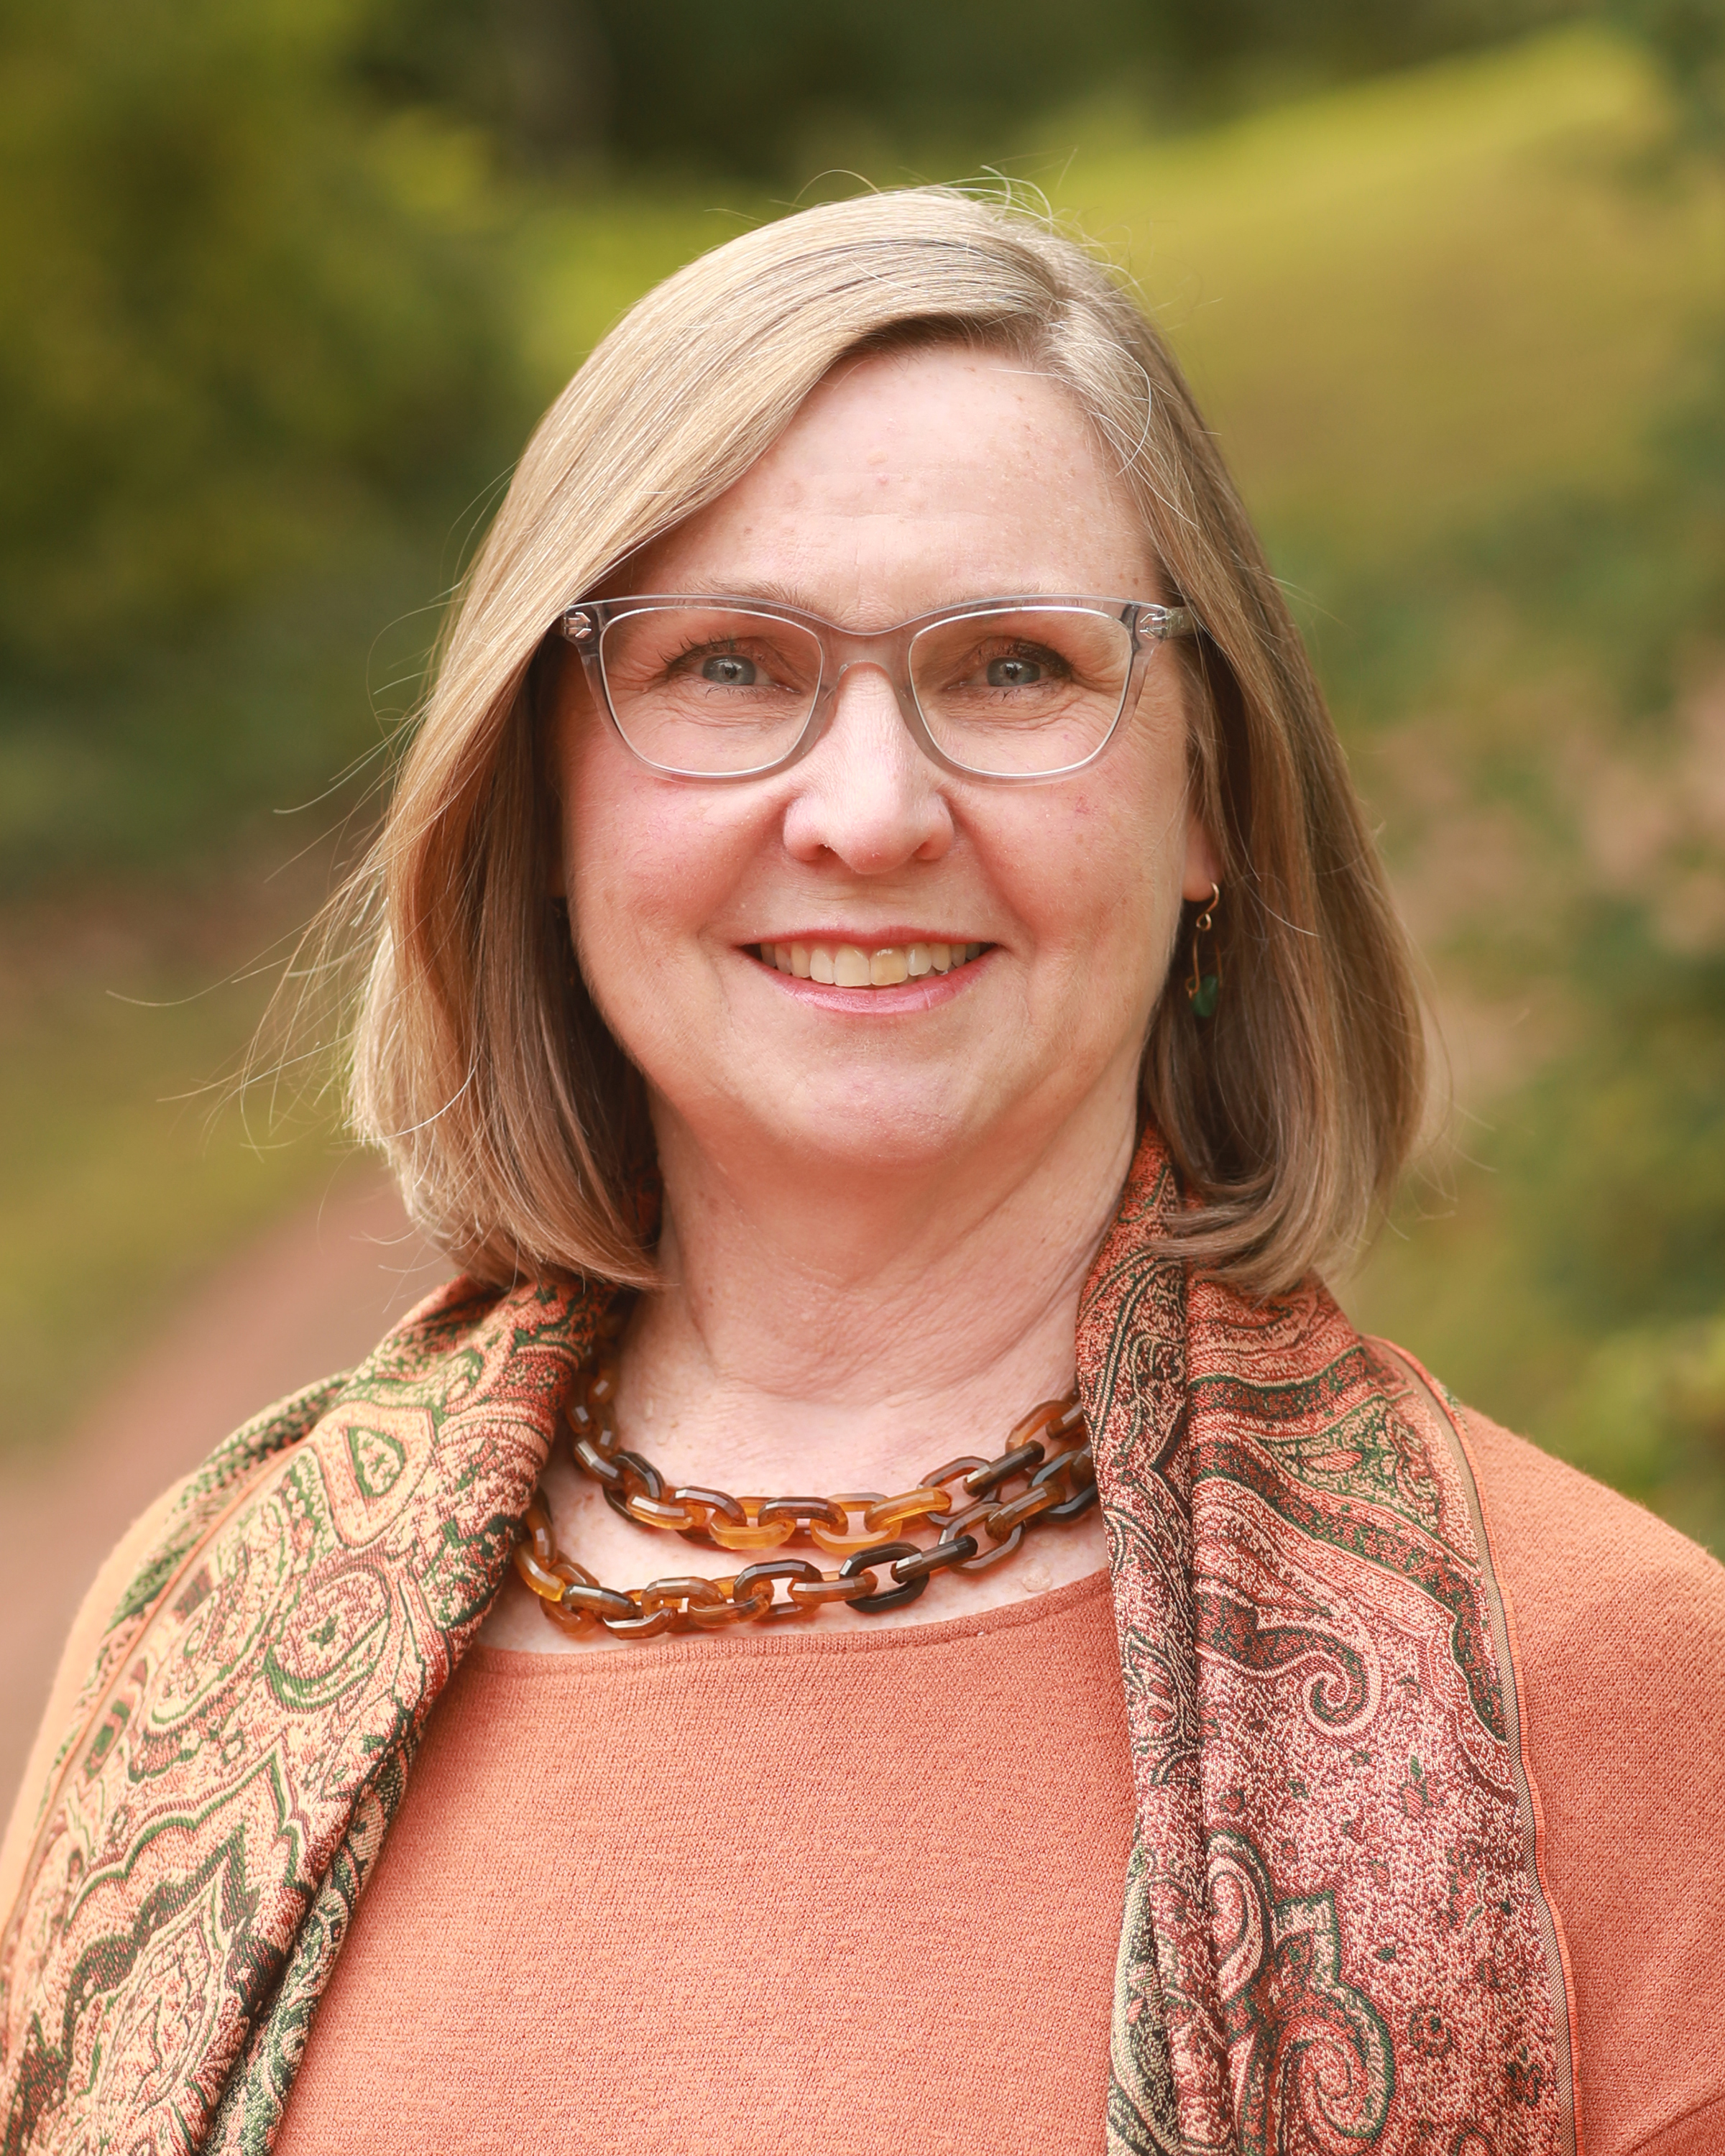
(1203, 990)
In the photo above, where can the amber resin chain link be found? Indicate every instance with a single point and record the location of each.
(1044, 1476)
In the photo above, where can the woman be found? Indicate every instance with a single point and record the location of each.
(874, 923)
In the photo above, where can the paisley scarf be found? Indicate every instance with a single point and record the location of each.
(1335, 1939)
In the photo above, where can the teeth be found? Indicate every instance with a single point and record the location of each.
(850, 966)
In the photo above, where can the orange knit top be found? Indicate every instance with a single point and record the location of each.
(855, 1895)
(723, 1894)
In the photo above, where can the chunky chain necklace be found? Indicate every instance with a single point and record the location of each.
(1044, 1476)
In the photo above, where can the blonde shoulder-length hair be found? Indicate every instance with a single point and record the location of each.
(515, 1123)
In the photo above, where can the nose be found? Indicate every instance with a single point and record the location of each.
(865, 794)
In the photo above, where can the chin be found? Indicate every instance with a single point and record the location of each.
(856, 1130)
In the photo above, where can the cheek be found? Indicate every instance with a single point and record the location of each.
(1118, 916)
(1100, 873)
(647, 866)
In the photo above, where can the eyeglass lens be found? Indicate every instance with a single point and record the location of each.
(713, 691)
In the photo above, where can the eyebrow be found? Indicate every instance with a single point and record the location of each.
(768, 590)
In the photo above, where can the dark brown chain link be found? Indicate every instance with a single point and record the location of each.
(1039, 1479)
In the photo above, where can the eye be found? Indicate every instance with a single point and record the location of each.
(729, 670)
(1013, 673)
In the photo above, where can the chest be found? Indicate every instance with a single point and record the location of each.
(853, 1888)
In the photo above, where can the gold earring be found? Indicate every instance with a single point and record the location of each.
(1203, 990)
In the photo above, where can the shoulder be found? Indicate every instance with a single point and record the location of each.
(1597, 1581)
(128, 1585)
(468, 1345)
(1618, 1624)
(95, 1614)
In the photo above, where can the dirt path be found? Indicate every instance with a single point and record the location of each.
(312, 1297)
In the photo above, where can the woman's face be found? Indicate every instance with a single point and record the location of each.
(906, 483)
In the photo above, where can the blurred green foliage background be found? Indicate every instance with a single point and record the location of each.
(282, 288)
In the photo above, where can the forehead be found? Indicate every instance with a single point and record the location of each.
(909, 480)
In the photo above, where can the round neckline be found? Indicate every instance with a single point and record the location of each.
(787, 1640)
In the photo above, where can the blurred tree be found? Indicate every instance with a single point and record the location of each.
(753, 88)
(1622, 1156)
(536, 74)
(229, 320)
(248, 330)
(1688, 37)
(1579, 1285)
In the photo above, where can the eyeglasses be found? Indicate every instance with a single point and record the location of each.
(1013, 690)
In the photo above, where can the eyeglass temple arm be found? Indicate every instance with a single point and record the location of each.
(1161, 623)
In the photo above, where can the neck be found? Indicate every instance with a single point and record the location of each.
(834, 1328)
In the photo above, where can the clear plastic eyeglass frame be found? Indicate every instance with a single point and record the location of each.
(586, 625)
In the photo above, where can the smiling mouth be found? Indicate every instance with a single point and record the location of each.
(851, 966)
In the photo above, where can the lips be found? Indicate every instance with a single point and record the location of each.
(859, 966)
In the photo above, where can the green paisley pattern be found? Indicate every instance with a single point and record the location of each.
(243, 1740)
(1142, 2117)
(257, 2094)
(1330, 1834)
(1329, 1845)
